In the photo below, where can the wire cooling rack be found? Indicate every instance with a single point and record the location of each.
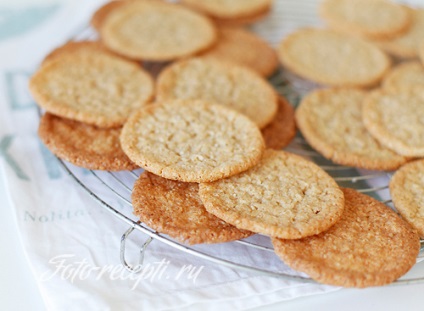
(112, 190)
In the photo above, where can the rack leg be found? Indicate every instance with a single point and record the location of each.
(138, 267)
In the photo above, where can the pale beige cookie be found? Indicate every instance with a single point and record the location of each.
(174, 208)
(395, 118)
(407, 192)
(405, 75)
(406, 45)
(332, 58)
(331, 122)
(244, 48)
(230, 8)
(192, 140)
(92, 87)
(156, 31)
(281, 131)
(283, 196)
(369, 18)
(369, 246)
(227, 84)
(84, 145)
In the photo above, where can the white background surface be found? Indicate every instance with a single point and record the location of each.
(18, 290)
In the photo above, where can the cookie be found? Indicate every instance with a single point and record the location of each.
(244, 48)
(331, 122)
(174, 208)
(242, 21)
(394, 118)
(368, 18)
(227, 84)
(230, 9)
(407, 44)
(405, 75)
(156, 31)
(94, 87)
(407, 192)
(84, 145)
(191, 140)
(101, 14)
(332, 58)
(369, 246)
(281, 131)
(283, 196)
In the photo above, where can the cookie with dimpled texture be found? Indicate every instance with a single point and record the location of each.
(156, 31)
(394, 118)
(406, 45)
(331, 122)
(174, 208)
(369, 246)
(84, 145)
(332, 58)
(406, 74)
(219, 82)
(192, 140)
(368, 18)
(283, 196)
(91, 86)
(244, 48)
(407, 192)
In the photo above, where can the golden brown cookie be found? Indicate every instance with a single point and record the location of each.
(94, 87)
(244, 48)
(395, 118)
(281, 131)
(406, 45)
(242, 21)
(283, 196)
(407, 192)
(174, 208)
(229, 9)
(331, 122)
(332, 58)
(191, 140)
(156, 31)
(369, 18)
(369, 246)
(405, 75)
(227, 84)
(84, 145)
(101, 14)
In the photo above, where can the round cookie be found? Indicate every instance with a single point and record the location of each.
(369, 246)
(283, 196)
(101, 14)
(94, 87)
(156, 31)
(405, 75)
(331, 122)
(230, 9)
(332, 58)
(174, 208)
(227, 84)
(242, 21)
(244, 48)
(84, 145)
(407, 44)
(191, 140)
(394, 118)
(281, 131)
(369, 18)
(407, 192)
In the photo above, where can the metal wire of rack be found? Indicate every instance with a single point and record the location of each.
(111, 188)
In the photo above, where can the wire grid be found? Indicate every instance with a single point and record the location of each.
(112, 190)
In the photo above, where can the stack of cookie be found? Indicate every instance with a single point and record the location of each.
(208, 129)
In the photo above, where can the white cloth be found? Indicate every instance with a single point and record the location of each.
(72, 244)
